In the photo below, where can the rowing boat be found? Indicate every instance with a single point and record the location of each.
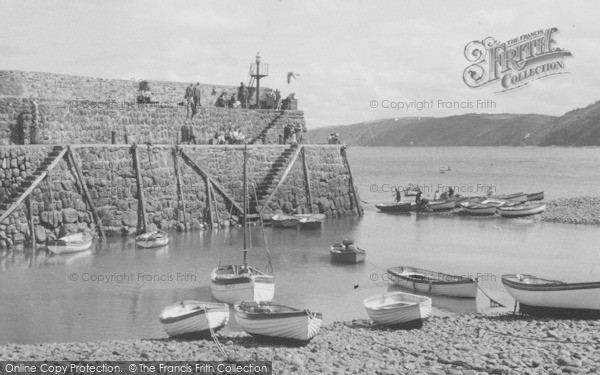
(548, 296)
(284, 221)
(447, 204)
(347, 254)
(522, 210)
(70, 244)
(515, 197)
(436, 283)
(152, 239)
(535, 196)
(194, 318)
(478, 208)
(276, 321)
(397, 308)
(393, 207)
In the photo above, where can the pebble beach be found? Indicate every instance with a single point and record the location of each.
(461, 344)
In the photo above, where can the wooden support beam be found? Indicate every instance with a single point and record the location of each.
(143, 226)
(307, 180)
(210, 221)
(214, 183)
(216, 207)
(86, 194)
(35, 183)
(180, 197)
(352, 187)
(31, 224)
(282, 179)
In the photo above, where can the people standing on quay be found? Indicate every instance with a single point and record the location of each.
(243, 95)
(398, 196)
(195, 102)
(277, 99)
(189, 93)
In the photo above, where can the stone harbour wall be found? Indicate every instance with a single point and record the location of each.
(59, 207)
(63, 122)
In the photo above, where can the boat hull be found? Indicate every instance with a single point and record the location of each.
(554, 295)
(435, 283)
(70, 244)
(339, 256)
(309, 224)
(231, 289)
(397, 308)
(442, 205)
(535, 196)
(299, 325)
(519, 211)
(284, 221)
(514, 198)
(478, 209)
(155, 239)
(393, 207)
(194, 318)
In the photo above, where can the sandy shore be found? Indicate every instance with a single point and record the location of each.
(461, 344)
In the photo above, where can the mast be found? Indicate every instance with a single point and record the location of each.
(245, 251)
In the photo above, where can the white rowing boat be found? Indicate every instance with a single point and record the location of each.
(70, 244)
(478, 208)
(152, 239)
(436, 283)
(194, 318)
(397, 308)
(522, 210)
(273, 320)
(532, 291)
(447, 204)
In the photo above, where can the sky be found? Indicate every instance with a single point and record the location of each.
(353, 58)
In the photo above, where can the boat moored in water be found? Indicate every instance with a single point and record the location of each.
(515, 198)
(539, 295)
(436, 283)
(394, 207)
(194, 318)
(341, 253)
(397, 308)
(152, 239)
(70, 244)
(284, 221)
(277, 321)
(447, 204)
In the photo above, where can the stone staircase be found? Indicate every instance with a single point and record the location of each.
(268, 183)
(25, 184)
(263, 134)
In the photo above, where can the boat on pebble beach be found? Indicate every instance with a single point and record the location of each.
(194, 318)
(276, 321)
(478, 208)
(539, 295)
(515, 197)
(521, 210)
(430, 282)
(70, 244)
(539, 196)
(447, 204)
(340, 253)
(152, 239)
(396, 308)
(394, 207)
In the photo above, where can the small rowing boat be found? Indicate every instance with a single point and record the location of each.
(447, 204)
(436, 283)
(194, 318)
(516, 197)
(276, 321)
(478, 208)
(308, 223)
(393, 207)
(396, 308)
(347, 254)
(522, 210)
(535, 196)
(284, 221)
(539, 295)
(70, 244)
(152, 239)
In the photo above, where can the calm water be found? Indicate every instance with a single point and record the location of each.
(115, 291)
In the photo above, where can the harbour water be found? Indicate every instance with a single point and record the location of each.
(115, 291)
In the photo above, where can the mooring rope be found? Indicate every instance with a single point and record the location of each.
(492, 301)
(214, 336)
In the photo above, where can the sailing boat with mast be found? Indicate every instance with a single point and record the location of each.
(234, 283)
